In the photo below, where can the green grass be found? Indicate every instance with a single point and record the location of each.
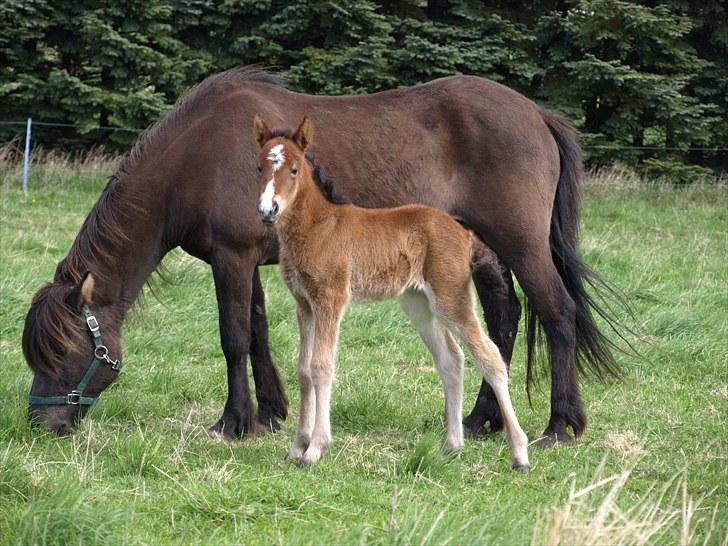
(142, 470)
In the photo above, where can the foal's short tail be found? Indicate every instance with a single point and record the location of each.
(594, 351)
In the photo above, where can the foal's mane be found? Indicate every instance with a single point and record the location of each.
(53, 323)
(325, 183)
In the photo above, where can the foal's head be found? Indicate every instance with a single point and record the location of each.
(281, 165)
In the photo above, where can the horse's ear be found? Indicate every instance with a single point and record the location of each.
(262, 132)
(304, 133)
(83, 292)
(87, 288)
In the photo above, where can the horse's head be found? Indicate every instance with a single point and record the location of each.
(71, 342)
(281, 165)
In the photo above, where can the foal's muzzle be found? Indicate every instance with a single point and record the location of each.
(268, 216)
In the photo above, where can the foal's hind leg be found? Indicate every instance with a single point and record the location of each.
(502, 311)
(448, 360)
(307, 413)
(459, 313)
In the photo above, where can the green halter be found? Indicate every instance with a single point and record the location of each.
(101, 353)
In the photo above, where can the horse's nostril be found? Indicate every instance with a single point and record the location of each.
(63, 429)
(274, 208)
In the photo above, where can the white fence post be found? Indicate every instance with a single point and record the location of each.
(26, 161)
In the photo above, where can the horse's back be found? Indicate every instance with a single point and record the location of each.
(463, 144)
(460, 144)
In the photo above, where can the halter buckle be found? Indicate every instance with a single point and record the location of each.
(92, 323)
(73, 398)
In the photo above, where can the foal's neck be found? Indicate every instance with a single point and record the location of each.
(308, 210)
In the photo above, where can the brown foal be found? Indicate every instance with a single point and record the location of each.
(335, 254)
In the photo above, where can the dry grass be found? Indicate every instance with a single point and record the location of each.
(595, 514)
(51, 167)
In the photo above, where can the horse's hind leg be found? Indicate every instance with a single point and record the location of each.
(502, 311)
(307, 413)
(448, 360)
(556, 311)
(458, 312)
(269, 391)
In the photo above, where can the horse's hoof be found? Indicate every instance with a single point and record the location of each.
(276, 408)
(232, 426)
(525, 468)
(267, 423)
(474, 427)
(473, 430)
(553, 439)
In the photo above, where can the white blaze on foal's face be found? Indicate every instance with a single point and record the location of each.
(270, 203)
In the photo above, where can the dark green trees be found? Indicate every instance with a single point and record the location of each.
(633, 75)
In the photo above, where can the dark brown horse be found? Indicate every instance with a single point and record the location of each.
(506, 168)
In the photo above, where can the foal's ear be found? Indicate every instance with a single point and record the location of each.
(262, 132)
(304, 133)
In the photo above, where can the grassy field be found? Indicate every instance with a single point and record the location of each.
(652, 467)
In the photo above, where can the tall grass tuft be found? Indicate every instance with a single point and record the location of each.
(596, 515)
(69, 516)
(53, 168)
(427, 456)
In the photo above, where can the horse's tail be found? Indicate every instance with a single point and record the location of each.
(594, 351)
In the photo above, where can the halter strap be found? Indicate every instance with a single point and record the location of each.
(101, 353)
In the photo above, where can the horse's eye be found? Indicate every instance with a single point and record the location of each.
(294, 171)
(260, 169)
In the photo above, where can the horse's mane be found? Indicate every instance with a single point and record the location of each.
(53, 323)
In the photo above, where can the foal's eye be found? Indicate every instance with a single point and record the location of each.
(260, 169)
(294, 171)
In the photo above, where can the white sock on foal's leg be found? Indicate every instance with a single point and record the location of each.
(307, 413)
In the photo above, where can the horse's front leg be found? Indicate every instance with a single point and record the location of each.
(233, 274)
(326, 317)
(269, 391)
(307, 414)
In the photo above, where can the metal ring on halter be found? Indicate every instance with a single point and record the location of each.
(104, 352)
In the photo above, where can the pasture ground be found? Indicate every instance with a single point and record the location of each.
(652, 467)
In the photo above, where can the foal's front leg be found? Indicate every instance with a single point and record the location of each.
(307, 412)
(327, 317)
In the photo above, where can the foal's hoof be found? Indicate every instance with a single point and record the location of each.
(311, 457)
(525, 468)
(294, 455)
(553, 439)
